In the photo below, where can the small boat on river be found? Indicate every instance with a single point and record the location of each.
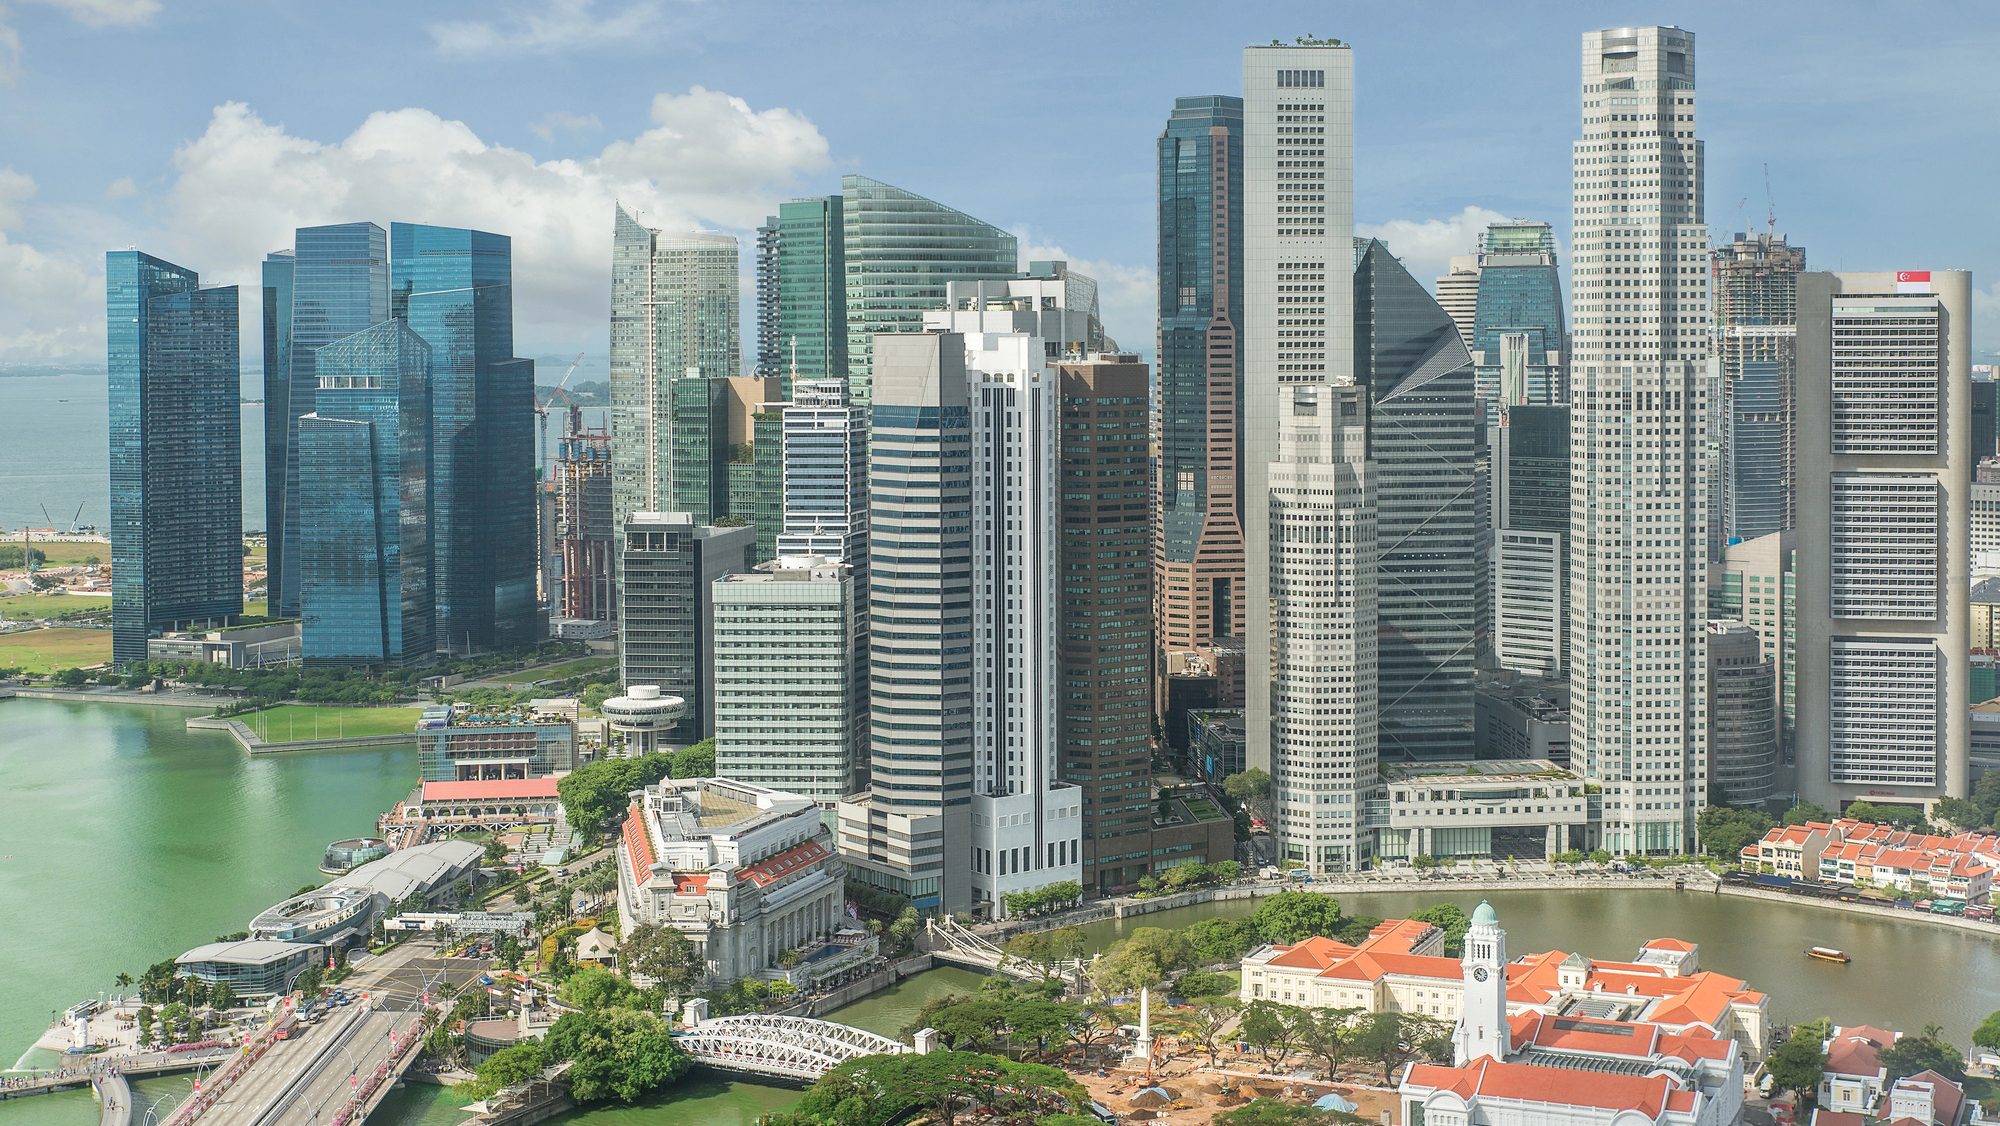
(1828, 954)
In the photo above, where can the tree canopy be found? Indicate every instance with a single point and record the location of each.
(1294, 916)
(1912, 1054)
(873, 1090)
(616, 1054)
(1796, 1064)
(1451, 919)
(664, 956)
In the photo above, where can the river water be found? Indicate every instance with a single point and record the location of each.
(125, 839)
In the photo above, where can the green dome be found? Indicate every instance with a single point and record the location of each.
(1485, 916)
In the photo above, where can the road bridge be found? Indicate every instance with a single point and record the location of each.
(781, 1047)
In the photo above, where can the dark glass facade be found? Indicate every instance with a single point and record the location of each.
(364, 502)
(1536, 498)
(811, 288)
(1985, 432)
(176, 450)
(1422, 430)
(277, 286)
(1518, 339)
(340, 286)
(454, 288)
(1757, 451)
(1199, 547)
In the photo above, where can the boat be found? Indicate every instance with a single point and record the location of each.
(1828, 954)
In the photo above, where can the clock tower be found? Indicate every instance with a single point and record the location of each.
(1482, 1019)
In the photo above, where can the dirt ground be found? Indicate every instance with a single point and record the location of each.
(1198, 1093)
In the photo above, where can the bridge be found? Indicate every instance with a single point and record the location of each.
(783, 1047)
(953, 943)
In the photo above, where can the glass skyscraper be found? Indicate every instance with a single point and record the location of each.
(1530, 559)
(899, 250)
(454, 287)
(811, 291)
(1756, 284)
(1199, 541)
(364, 502)
(176, 450)
(1520, 350)
(278, 419)
(1422, 431)
(339, 286)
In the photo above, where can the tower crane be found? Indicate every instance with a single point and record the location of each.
(542, 410)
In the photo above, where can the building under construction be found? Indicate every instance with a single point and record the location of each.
(585, 540)
(1756, 280)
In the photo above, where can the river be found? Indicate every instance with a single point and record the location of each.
(125, 839)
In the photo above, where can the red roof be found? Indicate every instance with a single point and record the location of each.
(638, 845)
(1856, 1051)
(771, 869)
(1317, 953)
(501, 790)
(1946, 1097)
(1678, 945)
(690, 883)
(1488, 1078)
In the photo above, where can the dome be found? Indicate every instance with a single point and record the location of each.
(1485, 916)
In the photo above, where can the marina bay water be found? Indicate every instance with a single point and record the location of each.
(125, 838)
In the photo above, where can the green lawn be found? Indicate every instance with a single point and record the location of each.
(562, 671)
(46, 650)
(36, 607)
(257, 608)
(291, 723)
(61, 553)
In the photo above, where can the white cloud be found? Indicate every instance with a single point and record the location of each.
(16, 188)
(106, 13)
(1426, 246)
(45, 302)
(1127, 296)
(548, 27)
(559, 121)
(121, 188)
(10, 52)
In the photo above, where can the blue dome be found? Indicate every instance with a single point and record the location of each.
(1485, 916)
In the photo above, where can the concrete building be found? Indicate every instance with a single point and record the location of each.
(791, 689)
(643, 720)
(825, 475)
(457, 744)
(665, 623)
(1458, 292)
(1309, 509)
(252, 968)
(1639, 474)
(1756, 279)
(1883, 630)
(1742, 715)
(173, 380)
(1755, 583)
(1530, 478)
(586, 539)
(1522, 719)
(1485, 810)
(1986, 514)
(236, 647)
(345, 910)
(745, 873)
(497, 803)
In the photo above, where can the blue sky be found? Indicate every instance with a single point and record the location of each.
(205, 131)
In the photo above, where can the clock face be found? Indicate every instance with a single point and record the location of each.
(1479, 973)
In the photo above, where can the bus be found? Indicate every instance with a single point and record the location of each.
(1944, 905)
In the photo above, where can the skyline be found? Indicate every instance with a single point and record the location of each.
(420, 128)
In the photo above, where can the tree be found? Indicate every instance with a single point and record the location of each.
(1251, 785)
(695, 761)
(309, 979)
(1046, 951)
(616, 1054)
(1796, 1065)
(1294, 916)
(1143, 961)
(876, 1089)
(1204, 1021)
(1912, 1054)
(1803, 812)
(1270, 1028)
(1272, 1112)
(1987, 1035)
(664, 956)
(1202, 983)
(1961, 813)
(221, 996)
(594, 987)
(516, 1063)
(1724, 830)
(1393, 1039)
(1326, 1033)
(1217, 941)
(1451, 919)
(1095, 1021)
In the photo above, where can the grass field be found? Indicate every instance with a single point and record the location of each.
(35, 607)
(290, 723)
(59, 553)
(46, 650)
(257, 608)
(562, 671)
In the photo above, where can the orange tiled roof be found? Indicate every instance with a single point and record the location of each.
(494, 790)
(638, 844)
(771, 869)
(1490, 1079)
(690, 883)
(1678, 945)
(1855, 1051)
(1315, 953)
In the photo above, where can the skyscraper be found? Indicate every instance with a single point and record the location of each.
(1742, 714)
(899, 250)
(585, 536)
(1756, 322)
(1422, 434)
(1638, 485)
(910, 833)
(1198, 548)
(454, 288)
(811, 290)
(339, 284)
(1530, 561)
(1883, 611)
(1520, 347)
(665, 621)
(1756, 583)
(364, 457)
(770, 342)
(1309, 508)
(1458, 294)
(825, 474)
(278, 418)
(176, 450)
(1104, 643)
(674, 317)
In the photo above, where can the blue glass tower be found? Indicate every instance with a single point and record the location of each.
(1759, 443)
(176, 450)
(1519, 349)
(364, 502)
(454, 288)
(340, 286)
(277, 286)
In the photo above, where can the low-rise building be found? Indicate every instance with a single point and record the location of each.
(346, 910)
(252, 968)
(514, 801)
(748, 874)
(1482, 810)
(1854, 853)
(1790, 850)
(459, 744)
(1854, 1088)
(1853, 1077)
(237, 647)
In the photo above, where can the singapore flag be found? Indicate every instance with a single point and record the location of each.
(1913, 281)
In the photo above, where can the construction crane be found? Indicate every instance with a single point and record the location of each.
(542, 413)
(1770, 202)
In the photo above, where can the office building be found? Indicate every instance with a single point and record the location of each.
(176, 451)
(770, 342)
(1985, 418)
(1638, 484)
(1756, 583)
(825, 488)
(1742, 715)
(364, 459)
(586, 539)
(1521, 718)
(454, 288)
(1458, 294)
(1198, 548)
(1530, 559)
(1422, 434)
(910, 832)
(1104, 639)
(899, 249)
(811, 290)
(791, 698)
(337, 278)
(1520, 347)
(1985, 506)
(665, 622)
(1756, 323)
(1884, 435)
(674, 341)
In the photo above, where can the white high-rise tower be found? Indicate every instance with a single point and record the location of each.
(1638, 484)
(1482, 1021)
(1309, 529)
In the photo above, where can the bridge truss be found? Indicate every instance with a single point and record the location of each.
(787, 1046)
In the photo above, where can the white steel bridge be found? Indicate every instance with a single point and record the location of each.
(785, 1047)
